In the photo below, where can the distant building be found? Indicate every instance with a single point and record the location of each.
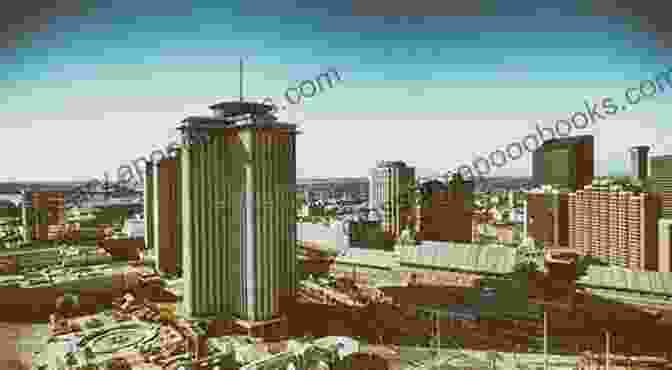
(638, 161)
(619, 227)
(446, 213)
(394, 181)
(354, 188)
(661, 182)
(665, 245)
(41, 212)
(166, 218)
(566, 163)
(547, 217)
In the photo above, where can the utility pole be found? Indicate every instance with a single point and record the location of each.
(546, 338)
(607, 336)
(438, 335)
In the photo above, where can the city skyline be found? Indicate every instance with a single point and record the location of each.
(93, 92)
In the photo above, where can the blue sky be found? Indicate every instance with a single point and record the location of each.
(90, 93)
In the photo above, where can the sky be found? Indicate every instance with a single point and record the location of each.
(89, 89)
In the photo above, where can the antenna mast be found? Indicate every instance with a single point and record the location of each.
(241, 79)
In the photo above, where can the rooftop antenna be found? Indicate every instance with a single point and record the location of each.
(241, 79)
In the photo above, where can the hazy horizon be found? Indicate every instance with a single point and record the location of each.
(87, 94)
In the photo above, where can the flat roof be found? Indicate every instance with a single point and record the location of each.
(214, 122)
(234, 108)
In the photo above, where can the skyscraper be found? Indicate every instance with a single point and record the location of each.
(566, 163)
(661, 182)
(239, 213)
(397, 179)
(166, 218)
(618, 226)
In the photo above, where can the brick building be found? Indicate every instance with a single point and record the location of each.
(547, 217)
(446, 216)
(618, 226)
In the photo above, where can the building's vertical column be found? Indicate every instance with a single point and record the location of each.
(249, 245)
(205, 260)
(156, 203)
(292, 215)
(27, 216)
(261, 179)
(189, 257)
(149, 205)
(231, 194)
(178, 212)
(215, 222)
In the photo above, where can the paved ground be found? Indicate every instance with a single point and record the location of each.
(17, 341)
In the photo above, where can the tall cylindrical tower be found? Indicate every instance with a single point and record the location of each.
(238, 173)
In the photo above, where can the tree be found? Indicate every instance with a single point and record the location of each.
(67, 303)
(88, 355)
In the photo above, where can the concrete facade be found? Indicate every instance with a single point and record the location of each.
(577, 163)
(619, 227)
(239, 216)
(397, 178)
(166, 217)
(665, 245)
(661, 182)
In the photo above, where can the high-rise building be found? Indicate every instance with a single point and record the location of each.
(665, 245)
(638, 161)
(148, 199)
(397, 180)
(661, 182)
(619, 227)
(166, 219)
(446, 213)
(566, 163)
(238, 185)
(547, 218)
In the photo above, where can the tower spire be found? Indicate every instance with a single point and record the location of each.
(241, 79)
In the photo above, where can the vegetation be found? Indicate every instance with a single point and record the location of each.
(584, 262)
(67, 303)
(621, 183)
(93, 323)
(407, 237)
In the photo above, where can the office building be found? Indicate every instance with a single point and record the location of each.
(665, 245)
(148, 199)
(565, 163)
(616, 226)
(397, 180)
(446, 213)
(166, 218)
(660, 178)
(547, 217)
(238, 171)
(42, 215)
(638, 162)
(351, 188)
